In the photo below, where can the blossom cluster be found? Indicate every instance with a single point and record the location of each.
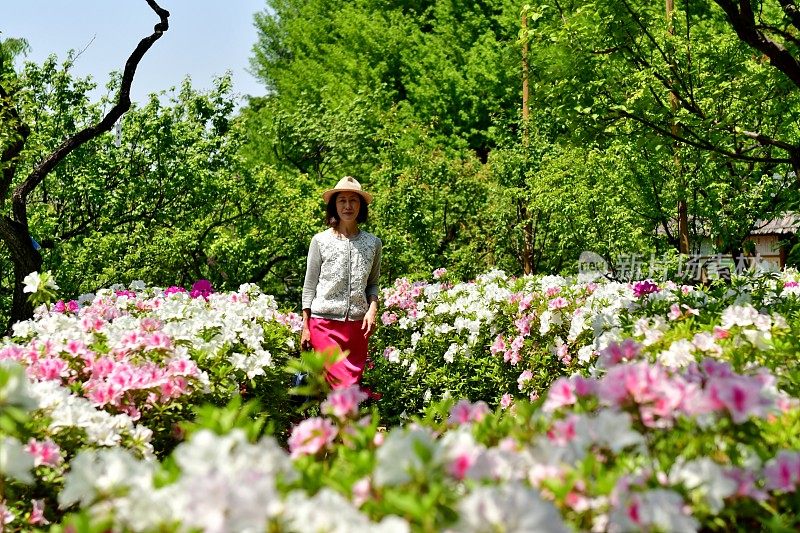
(531, 330)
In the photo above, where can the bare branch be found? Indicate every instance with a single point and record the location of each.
(704, 144)
(20, 195)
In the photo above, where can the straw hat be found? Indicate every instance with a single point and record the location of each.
(347, 184)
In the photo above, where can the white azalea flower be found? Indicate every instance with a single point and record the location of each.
(512, 508)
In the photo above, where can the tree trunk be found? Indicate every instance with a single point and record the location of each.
(26, 259)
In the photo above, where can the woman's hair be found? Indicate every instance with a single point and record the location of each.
(332, 217)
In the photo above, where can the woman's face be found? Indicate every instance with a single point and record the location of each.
(348, 205)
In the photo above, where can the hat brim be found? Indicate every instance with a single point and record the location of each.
(330, 192)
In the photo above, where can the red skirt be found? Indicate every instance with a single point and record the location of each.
(339, 336)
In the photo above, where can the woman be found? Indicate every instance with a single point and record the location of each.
(340, 293)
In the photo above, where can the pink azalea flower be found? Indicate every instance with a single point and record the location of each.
(37, 513)
(615, 352)
(465, 412)
(739, 395)
(310, 436)
(342, 403)
(525, 303)
(439, 272)
(498, 346)
(461, 464)
(506, 401)
(745, 483)
(523, 325)
(361, 491)
(523, 378)
(552, 291)
(562, 432)
(557, 303)
(561, 394)
(44, 452)
(388, 318)
(783, 471)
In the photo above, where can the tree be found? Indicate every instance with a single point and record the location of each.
(14, 226)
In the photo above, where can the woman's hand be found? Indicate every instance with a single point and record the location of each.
(368, 324)
(305, 339)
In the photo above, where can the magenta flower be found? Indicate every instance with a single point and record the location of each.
(201, 288)
(173, 290)
(310, 436)
(642, 288)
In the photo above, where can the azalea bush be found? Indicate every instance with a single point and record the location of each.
(124, 367)
(641, 447)
(500, 338)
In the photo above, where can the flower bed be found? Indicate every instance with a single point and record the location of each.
(586, 406)
(500, 338)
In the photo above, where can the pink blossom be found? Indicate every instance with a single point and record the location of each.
(49, 369)
(523, 378)
(157, 341)
(552, 291)
(126, 294)
(176, 387)
(388, 318)
(459, 466)
(342, 403)
(439, 272)
(557, 303)
(745, 483)
(533, 396)
(506, 401)
(615, 352)
(90, 323)
(361, 491)
(37, 513)
(525, 303)
(561, 394)
(185, 367)
(59, 307)
(739, 395)
(523, 325)
(310, 436)
(465, 412)
(12, 352)
(150, 324)
(44, 452)
(783, 471)
(562, 432)
(498, 346)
